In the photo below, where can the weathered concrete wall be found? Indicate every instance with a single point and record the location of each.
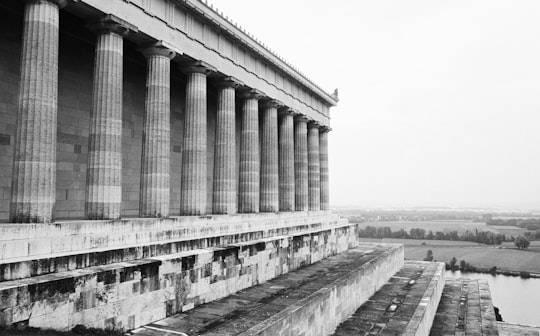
(34, 249)
(321, 312)
(129, 294)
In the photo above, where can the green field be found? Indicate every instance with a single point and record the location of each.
(506, 258)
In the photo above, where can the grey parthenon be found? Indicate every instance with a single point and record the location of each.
(253, 135)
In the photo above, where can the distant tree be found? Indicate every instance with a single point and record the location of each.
(430, 235)
(522, 243)
(453, 263)
(429, 256)
(417, 233)
(463, 265)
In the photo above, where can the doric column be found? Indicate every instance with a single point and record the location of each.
(104, 172)
(314, 170)
(269, 201)
(300, 164)
(155, 165)
(34, 162)
(193, 186)
(225, 183)
(248, 193)
(323, 156)
(286, 160)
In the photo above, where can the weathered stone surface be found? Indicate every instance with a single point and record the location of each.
(225, 181)
(33, 249)
(300, 164)
(308, 301)
(465, 309)
(249, 178)
(34, 163)
(286, 160)
(104, 172)
(155, 176)
(314, 171)
(193, 188)
(269, 157)
(126, 295)
(405, 305)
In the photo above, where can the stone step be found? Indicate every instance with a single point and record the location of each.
(81, 248)
(126, 295)
(405, 305)
(465, 309)
(310, 301)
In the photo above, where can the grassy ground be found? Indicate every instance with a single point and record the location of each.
(507, 257)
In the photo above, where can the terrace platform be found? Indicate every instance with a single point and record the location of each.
(310, 301)
(405, 305)
(465, 309)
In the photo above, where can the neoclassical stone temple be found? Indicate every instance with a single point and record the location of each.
(154, 158)
(172, 110)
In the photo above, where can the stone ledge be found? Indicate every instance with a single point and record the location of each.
(126, 295)
(309, 301)
(465, 309)
(32, 240)
(19, 268)
(405, 305)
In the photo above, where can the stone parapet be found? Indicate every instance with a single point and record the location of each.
(126, 295)
(32, 249)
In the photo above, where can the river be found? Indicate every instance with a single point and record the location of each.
(518, 299)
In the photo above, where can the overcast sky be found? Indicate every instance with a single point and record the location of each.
(439, 100)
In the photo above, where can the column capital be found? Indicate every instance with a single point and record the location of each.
(112, 24)
(270, 103)
(229, 82)
(59, 3)
(286, 111)
(200, 67)
(252, 94)
(313, 124)
(158, 48)
(325, 128)
(301, 118)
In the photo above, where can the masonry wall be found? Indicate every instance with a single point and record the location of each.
(76, 64)
(130, 294)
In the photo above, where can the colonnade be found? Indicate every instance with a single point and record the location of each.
(283, 167)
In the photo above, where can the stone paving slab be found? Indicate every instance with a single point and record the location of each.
(256, 310)
(465, 309)
(401, 306)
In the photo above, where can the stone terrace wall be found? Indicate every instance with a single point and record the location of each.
(126, 295)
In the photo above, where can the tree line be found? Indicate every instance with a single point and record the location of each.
(482, 237)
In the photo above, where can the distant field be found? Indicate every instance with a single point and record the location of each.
(443, 226)
(447, 226)
(507, 258)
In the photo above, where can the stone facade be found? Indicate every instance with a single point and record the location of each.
(109, 148)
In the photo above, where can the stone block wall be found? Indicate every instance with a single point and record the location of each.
(126, 295)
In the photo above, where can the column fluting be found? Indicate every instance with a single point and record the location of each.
(323, 155)
(193, 198)
(155, 165)
(269, 198)
(33, 190)
(104, 171)
(300, 164)
(249, 177)
(225, 183)
(286, 160)
(314, 170)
